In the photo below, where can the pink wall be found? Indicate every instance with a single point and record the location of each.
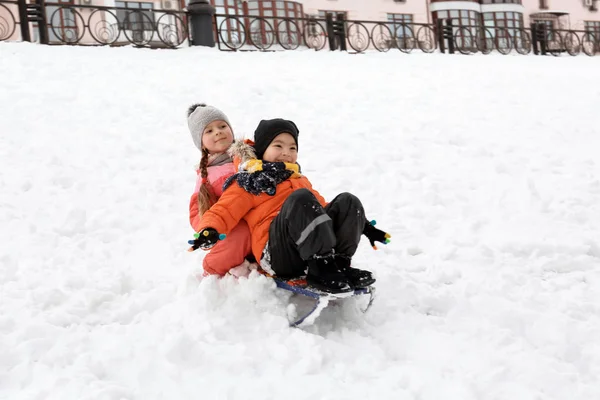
(376, 10)
(371, 10)
(578, 13)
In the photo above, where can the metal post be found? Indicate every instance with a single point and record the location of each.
(534, 38)
(330, 32)
(42, 22)
(543, 32)
(24, 21)
(341, 30)
(440, 35)
(450, 35)
(201, 23)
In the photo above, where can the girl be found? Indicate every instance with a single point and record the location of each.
(293, 228)
(212, 134)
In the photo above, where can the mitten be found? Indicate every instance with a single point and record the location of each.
(205, 239)
(375, 235)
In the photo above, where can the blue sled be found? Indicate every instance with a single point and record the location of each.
(321, 298)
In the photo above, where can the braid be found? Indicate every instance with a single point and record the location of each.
(205, 196)
(204, 164)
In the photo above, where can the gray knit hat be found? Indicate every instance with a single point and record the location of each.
(199, 116)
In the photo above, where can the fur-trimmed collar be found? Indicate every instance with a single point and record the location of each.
(242, 151)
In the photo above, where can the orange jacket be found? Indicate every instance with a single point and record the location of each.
(258, 211)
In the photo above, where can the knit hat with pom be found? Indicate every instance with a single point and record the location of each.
(199, 116)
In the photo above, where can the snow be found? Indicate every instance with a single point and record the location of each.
(484, 169)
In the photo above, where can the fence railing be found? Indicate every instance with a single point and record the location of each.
(9, 20)
(60, 23)
(470, 39)
(98, 25)
(249, 32)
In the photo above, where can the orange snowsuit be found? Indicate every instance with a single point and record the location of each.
(258, 211)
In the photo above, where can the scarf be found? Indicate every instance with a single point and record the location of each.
(214, 160)
(258, 177)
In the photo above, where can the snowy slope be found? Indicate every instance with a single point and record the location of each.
(484, 169)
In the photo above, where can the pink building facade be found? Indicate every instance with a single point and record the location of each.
(561, 14)
(509, 14)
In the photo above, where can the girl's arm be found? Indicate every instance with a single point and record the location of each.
(225, 214)
(195, 217)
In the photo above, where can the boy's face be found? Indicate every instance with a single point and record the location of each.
(282, 149)
(217, 137)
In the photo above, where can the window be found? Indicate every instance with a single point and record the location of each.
(323, 13)
(282, 16)
(135, 20)
(500, 1)
(511, 24)
(268, 8)
(459, 17)
(593, 27)
(549, 24)
(543, 4)
(231, 30)
(399, 25)
(401, 18)
(465, 24)
(64, 21)
(509, 20)
(227, 6)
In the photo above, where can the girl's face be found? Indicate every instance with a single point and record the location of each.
(282, 149)
(217, 137)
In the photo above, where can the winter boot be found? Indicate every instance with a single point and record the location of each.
(323, 274)
(358, 278)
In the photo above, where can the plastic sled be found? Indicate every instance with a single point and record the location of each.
(322, 299)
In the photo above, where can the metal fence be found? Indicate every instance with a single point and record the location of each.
(94, 25)
(59, 23)
(538, 39)
(247, 32)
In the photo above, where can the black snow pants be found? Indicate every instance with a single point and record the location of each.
(303, 229)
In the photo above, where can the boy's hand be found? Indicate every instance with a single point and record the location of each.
(205, 239)
(375, 235)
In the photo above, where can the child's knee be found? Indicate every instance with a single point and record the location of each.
(302, 196)
(349, 198)
(302, 193)
(220, 260)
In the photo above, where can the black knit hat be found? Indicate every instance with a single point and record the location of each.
(268, 129)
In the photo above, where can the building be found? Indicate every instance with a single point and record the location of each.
(137, 18)
(560, 14)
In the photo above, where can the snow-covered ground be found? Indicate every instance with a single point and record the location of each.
(484, 169)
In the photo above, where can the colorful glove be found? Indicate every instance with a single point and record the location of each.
(205, 239)
(375, 235)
